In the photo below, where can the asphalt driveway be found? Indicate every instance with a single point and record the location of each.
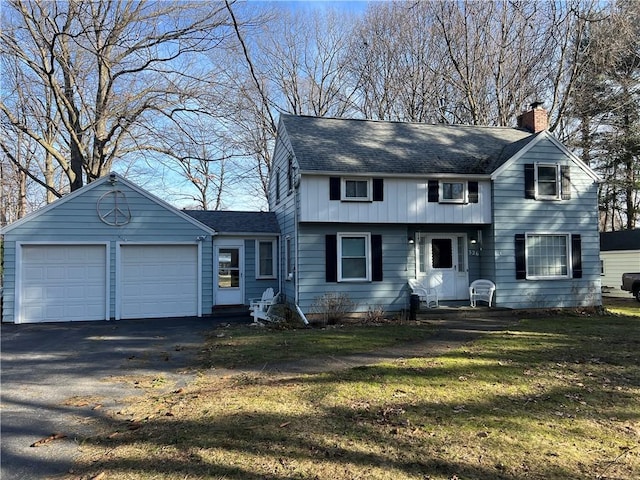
(57, 377)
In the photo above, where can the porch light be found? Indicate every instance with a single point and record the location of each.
(411, 241)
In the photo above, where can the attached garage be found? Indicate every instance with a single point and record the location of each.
(62, 282)
(159, 281)
(107, 251)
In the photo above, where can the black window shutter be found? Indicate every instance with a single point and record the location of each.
(576, 256)
(473, 192)
(521, 264)
(376, 258)
(331, 258)
(529, 181)
(434, 187)
(334, 188)
(565, 173)
(378, 189)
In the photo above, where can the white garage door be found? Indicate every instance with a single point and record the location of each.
(61, 283)
(158, 281)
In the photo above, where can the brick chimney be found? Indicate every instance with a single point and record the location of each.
(535, 119)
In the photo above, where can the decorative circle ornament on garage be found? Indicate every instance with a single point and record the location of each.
(113, 208)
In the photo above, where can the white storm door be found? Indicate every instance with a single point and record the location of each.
(442, 265)
(60, 283)
(158, 281)
(229, 275)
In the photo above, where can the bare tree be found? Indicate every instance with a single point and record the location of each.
(294, 63)
(110, 70)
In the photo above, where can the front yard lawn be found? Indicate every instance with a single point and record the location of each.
(552, 398)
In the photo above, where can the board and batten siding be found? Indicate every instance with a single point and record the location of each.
(285, 208)
(392, 293)
(514, 214)
(405, 201)
(77, 220)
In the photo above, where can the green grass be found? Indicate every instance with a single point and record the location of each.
(238, 346)
(552, 398)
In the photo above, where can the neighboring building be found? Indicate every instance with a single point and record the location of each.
(363, 206)
(111, 250)
(619, 253)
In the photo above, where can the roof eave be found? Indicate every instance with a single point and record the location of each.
(326, 173)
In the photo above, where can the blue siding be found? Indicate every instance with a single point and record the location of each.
(391, 293)
(286, 210)
(514, 214)
(254, 287)
(77, 220)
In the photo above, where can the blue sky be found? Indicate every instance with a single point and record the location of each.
(357, 6)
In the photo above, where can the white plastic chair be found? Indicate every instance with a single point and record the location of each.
(481, 290)
(427, 295)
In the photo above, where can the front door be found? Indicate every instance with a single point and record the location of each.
(447, 266)
(229, 278)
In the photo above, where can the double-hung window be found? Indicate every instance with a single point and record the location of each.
(548, 255)
(265, 259)
(354, 260)
(547, 181)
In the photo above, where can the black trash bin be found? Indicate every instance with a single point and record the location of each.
(414, 306)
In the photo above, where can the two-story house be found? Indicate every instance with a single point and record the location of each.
(364, 206)
(357, 207)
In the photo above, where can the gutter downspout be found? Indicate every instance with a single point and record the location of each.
(295, 236)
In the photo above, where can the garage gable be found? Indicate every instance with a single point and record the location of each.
(107, 205)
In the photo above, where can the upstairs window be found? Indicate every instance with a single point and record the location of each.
(356, 189)
(453, 192)
(547, 181)
(290, 174)
(450, 191)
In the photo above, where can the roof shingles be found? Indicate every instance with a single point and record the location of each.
(378, 147)
(237, 222)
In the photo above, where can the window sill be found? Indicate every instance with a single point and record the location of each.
(548, 278)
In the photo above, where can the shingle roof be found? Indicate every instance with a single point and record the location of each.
(237, 222)
(620, 240)
(368, 146)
